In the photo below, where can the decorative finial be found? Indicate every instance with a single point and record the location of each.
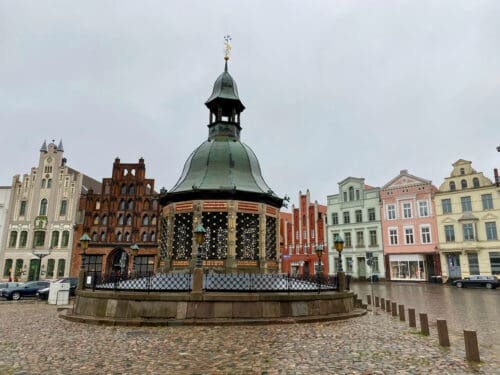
(227, 46)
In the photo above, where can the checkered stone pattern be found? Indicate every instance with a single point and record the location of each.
(247, 232)
(183, 236)
(163, 237)
(270, 238)
(215, 245)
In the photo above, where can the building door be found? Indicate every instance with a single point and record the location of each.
(33, 272)
(306, 268)
(119, 263)
(454, 266)
(361, 268)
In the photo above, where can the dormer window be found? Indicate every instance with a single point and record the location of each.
(463, 183)
(452, 186)
(462, 171)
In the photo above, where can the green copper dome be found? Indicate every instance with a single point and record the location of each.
(223, 167)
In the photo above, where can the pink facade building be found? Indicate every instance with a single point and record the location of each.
(409, 229)
(301, 232)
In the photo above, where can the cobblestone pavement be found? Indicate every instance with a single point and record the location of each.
(34, 340)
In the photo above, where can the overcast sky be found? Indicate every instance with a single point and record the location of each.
(332, 88)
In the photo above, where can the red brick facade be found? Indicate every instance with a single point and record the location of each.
(301, 232)
(125, 212)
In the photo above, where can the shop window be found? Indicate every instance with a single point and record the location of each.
(495, 262)
(473, 264)
(7, 269)
(50, 268)
(61, 264)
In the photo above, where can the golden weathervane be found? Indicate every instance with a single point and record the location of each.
(227, 47)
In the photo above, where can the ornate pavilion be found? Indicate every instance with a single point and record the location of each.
(222, 188)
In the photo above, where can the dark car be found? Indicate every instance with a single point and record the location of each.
(477, 281)
(24, 290)
(73, 282)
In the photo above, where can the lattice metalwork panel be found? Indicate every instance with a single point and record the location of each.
(215, 243)
(159, 282)
(163, 237)
(270, 237)
(247, 236)
(183, 236)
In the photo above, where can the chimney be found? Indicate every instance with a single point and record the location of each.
(497, 180)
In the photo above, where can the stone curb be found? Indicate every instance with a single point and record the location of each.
(67, 315)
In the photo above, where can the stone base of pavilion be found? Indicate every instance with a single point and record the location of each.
(202, 308)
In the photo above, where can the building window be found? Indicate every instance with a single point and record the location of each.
(104, 220)
(131, 190)
(129, 219)
(371, 214)
(43, 183)
(357, 195)
(93, 263)
(54, 241)
(304, 234)
(463, 184)
(61, 264)
(127, 236)
(23, 239)
(462, 171)
(335, 218)
(360, 240)
(119, 236)
(7, 268)
(39, 238)
(22, 208)
(393, 236)
(43, 207)
(145, 220)
(407, 210)
(391, 211)
(487, 200)
(123, 190)
(466, 204)
(495, 262)
(351, 193)
(347, 218)
(49, 183)
(409, 236)
(468, 230)
(359, 216)
(348, 263)
(98, 204)
(423, 208)
(122, 204)
(452, 186)
(153, 236)
(296, 235)
(345, 196)
(96, 220)
(13, 239)
(130, 205)
(348, 239)
(50, 268)
(144, 265)
(312, 234)
(446, 203)
(63, 208)
(373, 238)
(95, 236)
(103, 236)
(425, 234)
(475, 182)
(491, 230)
(65, 238)
(375, 265)
(120, 219)
(449, 233)
(153, 220)
(144, 237)
(473, 264)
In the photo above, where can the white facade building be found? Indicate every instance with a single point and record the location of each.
(4, 209)
(38, 235)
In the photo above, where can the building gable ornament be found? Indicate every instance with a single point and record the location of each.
(41, 222)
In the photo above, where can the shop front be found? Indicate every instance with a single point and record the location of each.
(408, 267)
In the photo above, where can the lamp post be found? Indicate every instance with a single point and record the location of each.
(39, 254)
(84, 244)
(199, 233)
(339, 246)
(135, 251)
(319, 253)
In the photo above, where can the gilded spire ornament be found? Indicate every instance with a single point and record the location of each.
(227, 46)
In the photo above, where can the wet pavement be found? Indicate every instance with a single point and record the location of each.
(34, 340)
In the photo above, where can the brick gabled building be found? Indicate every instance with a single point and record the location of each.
(301, 232)
(125, 212)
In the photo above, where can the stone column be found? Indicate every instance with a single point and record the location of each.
(262, 238)
(231, 236)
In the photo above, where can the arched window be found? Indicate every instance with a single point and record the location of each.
(94, 236)
(103, 236)
(123, 190)
(43, 207)
(131, 189)
(23, 239)
(127, 236)
(130, 204)
(43, 183)
(144, 236)
(153, 220)
(146, 204)
(148, 189)
(65, 238)
(463, 183)
(155, 204)
(104, 220)
(97, 204)
(452, 185)
(61, 265)
(119, 236)
(351, 193)
(50, 267)
(49, 183)
(54, 241)
(13, 238)
(153, 236)
(475, 182)
(129, 219)
(120, 219)
(122, 204)
(96, 219)
(145, 220)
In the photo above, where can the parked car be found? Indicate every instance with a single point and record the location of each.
(490, 282)
(73, 282)
(9, 284)
(25, 290)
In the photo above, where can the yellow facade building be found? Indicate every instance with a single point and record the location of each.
(468, 215)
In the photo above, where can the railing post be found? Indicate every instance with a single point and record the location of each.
(471, 346)
(442, 328)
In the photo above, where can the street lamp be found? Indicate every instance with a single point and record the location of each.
(199, 233)
(84, 244)
(339, 246)
(39, 254)
(319, 253)
(135, 251)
